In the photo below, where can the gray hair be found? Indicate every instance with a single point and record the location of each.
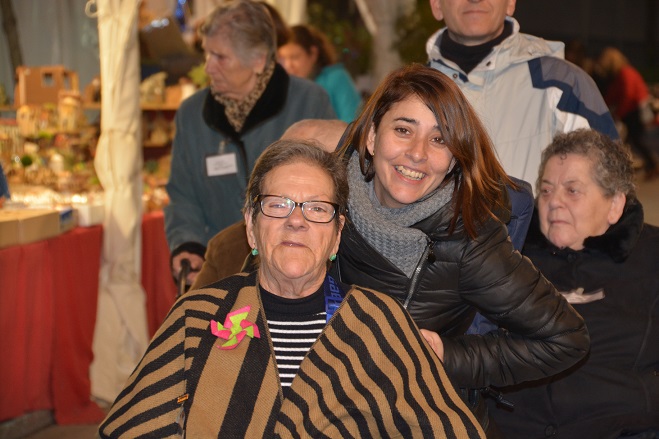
(612, 162)
(284, 152)
(248, 26)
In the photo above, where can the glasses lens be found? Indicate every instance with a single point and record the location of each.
(318, 211)
(277, 207)
(281, 207)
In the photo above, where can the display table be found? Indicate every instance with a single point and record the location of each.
(48, 296)
(48, 299)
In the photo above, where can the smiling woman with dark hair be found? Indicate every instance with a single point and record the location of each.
(426, 211)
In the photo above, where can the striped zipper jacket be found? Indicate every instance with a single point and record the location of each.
(369, 374)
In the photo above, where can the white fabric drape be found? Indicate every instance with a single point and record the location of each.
(380, 18)
(121, 334)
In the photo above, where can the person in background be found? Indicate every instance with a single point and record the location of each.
(522, 89)
(226, 251)
(222, 129)
(627, 95)
(4, 188)
(271, 354)
(588, 237)
(309, 54)
(576, 53)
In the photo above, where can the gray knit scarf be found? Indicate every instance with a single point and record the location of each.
(388, 230)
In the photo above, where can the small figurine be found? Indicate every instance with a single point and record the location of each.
(69, 112)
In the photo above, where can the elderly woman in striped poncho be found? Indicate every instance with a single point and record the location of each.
(286, 350)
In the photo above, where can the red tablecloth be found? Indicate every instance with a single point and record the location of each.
(48, 296)
(48, 299)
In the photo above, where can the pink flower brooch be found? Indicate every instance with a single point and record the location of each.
(235, 327)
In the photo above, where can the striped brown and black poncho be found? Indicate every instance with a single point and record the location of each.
(369, 374)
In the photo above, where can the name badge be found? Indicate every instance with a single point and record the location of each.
(221, 164)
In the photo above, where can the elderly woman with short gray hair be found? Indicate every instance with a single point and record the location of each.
(221, 130)
(589, 239)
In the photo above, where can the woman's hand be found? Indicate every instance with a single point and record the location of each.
(196, 262)
(435, 342)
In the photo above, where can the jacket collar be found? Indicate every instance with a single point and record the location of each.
(617, 242)
(268, 105)
(517, 48)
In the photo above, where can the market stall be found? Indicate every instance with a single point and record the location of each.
(87, 295)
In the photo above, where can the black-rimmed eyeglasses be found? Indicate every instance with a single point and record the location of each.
(276, 206)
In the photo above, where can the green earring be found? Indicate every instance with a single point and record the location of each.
(255, 251)
(332, 258)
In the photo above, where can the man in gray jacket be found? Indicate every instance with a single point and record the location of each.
(519, 84)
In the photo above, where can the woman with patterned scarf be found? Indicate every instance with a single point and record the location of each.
(221, 130)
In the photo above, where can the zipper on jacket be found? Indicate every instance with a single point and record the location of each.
(427, 257)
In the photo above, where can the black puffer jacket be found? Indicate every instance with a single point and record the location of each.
(614, 392)
(457, 276)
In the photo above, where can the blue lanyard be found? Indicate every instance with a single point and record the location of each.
(333, 296)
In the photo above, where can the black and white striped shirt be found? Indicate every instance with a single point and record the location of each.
(294, 326)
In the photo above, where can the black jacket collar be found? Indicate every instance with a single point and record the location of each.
(269, 104)
(468, 57)
(617, 242)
